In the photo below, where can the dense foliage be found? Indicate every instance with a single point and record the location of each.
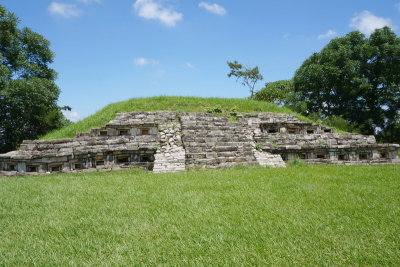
(277, 92)
(358, 79)
(281, 93)
(28, 94)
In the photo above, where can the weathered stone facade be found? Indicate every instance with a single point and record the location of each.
(171, 141)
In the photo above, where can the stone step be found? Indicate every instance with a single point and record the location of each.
(194, 147)
(220, 160)
(222, 165)
(194, 129)
(237, 139)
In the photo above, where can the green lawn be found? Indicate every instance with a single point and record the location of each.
(169, 103)
(309, 215)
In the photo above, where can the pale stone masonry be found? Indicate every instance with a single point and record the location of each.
(168, 141)
(170, 156)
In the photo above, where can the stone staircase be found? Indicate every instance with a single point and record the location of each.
(214, 142)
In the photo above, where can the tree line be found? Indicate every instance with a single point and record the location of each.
(353, 84)
(28, 93)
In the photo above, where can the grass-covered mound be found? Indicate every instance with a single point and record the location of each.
(307, 216)
(170, 103)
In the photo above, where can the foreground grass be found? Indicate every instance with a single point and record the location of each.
(319, 215)
(169, 103)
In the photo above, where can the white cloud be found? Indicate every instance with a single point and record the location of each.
(327, 35)
(149, 9)
(189, 65)
(87, 2)
(213, 8)
(63, 10)
(366, 22)
(142, 61)
(71, 115)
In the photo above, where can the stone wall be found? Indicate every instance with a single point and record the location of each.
(279, 139)
(170, 156)
(268, 159)
(170, 141)
(340, 154)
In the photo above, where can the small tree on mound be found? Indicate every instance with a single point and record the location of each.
(247, 76)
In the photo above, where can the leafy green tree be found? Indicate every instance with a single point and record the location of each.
(247, 76)
(357, 78)
(28, 93)
(277, 92)
(281, 93)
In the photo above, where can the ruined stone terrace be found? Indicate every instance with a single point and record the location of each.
(172, 141)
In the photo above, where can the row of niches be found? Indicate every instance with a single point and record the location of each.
(301, 128)
(125, 131)
(341, 155)
(143, 159)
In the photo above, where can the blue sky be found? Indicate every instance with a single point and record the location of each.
(113, 50)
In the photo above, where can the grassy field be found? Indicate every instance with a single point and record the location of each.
(308, 215)
(170, 103)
